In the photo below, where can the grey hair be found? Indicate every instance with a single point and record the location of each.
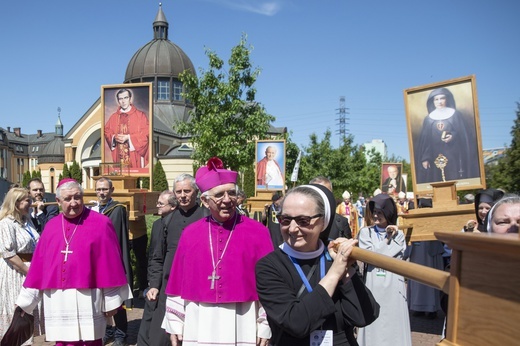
(172, 200)
(67, 186)
(186, 176)
(507, 199)
(107, 180)
(309, 192)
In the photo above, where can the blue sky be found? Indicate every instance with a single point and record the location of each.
(59, 53)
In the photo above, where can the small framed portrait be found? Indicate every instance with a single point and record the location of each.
(392, 179)
(444, 135)
(270, 165)
(126, 130)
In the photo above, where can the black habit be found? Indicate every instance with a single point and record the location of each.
(293, 319)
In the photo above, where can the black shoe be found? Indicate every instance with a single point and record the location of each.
(120, 342)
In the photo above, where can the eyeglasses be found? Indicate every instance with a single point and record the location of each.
(161, 204)
(219, 196)
(301, 221)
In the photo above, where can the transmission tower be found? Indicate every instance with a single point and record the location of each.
(342, 120)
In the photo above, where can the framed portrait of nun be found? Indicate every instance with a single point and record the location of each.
(444, 135)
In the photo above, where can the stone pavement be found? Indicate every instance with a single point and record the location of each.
(425, 332)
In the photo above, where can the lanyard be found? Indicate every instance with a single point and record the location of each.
(302, 275)
(28, 229)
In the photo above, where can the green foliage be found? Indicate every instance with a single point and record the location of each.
(26, 177)
(345, 166)
(143, 182)
(506, 175)
(160, 183)
(291, 155)
(65, 173)
(226, 119)
(249, 181)
(75, 172)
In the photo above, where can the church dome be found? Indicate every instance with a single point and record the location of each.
(158, 58)
(53, 152)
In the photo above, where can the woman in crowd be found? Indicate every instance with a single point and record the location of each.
(484, 201)
(309, 290)
(18, 238)
(389, 289)
(504, 217)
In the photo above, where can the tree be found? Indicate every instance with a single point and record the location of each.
(160, 183)
(75, 172)
(249, 182)
(26, 177)
(507, 174)
(226, 119)
(143, 183)
(65, 173)
(291, 155)
(345, 166)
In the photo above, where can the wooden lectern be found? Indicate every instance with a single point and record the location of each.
(484, 303)
(446, 214)
(483, 286)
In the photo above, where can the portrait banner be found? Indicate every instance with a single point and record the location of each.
(270, 165)
(444, 135)
(126, 130)
(392, 179)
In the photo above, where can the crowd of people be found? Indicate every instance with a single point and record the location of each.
(214, 274)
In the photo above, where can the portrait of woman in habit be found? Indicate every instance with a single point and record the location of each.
(447, 148)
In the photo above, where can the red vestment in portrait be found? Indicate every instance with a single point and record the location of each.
(133, 123)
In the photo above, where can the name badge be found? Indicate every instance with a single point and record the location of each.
(321, 338)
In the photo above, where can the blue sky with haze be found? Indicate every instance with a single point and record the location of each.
(59, 53)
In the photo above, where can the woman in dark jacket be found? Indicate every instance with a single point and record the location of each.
(310, 290)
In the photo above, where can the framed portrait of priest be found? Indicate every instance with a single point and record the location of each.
(444, 135)
(392, 179)
(126, 129)
(270, 165)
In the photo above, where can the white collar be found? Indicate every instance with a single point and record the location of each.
(302, 255)
(442, 113)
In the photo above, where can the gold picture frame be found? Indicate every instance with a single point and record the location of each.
(444, 135)
(127, 136)
(262, 176)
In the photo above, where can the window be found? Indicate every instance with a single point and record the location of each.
(177, 90)
(163, 90)
(95, 147)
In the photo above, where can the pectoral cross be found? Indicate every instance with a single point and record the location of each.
(66, 253)
(212, 277)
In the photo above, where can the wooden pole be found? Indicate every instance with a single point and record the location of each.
(432, 277)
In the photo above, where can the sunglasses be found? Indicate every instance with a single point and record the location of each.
(301, 221)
